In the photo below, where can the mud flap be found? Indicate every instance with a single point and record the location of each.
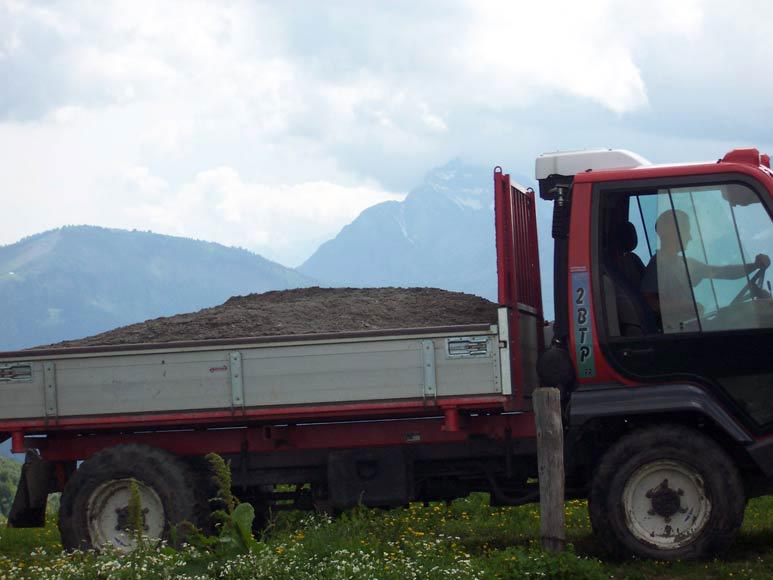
(29, 505)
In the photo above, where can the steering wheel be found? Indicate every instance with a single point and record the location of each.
(754, 288)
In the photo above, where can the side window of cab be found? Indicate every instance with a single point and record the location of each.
(686, 259)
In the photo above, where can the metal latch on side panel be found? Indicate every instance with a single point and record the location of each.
(49, 389)
(237, 380)
(467, 346)
(16, 373)
(430, 377)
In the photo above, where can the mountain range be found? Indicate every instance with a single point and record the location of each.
(440, 235)
(77, 281)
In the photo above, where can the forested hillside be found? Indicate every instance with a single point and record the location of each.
(9, 476)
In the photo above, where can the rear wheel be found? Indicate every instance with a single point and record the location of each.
(666, 493)
(95, 503)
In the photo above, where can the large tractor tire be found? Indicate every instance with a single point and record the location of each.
(666, 493)
(94, 510)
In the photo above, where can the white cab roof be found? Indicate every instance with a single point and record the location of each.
(574, 162)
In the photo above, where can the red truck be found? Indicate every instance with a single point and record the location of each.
(662, 347)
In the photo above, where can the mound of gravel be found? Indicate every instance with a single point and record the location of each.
(307, 311)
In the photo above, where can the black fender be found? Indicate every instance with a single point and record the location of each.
(621, 401)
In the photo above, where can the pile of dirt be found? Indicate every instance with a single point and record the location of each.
(307, 311)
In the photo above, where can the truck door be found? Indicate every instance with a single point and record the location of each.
(681, 265)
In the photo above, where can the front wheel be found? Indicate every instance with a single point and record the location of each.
(666, 493)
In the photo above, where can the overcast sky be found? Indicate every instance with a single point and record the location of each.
(270, 125)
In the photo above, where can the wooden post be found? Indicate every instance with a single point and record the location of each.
(550, 461)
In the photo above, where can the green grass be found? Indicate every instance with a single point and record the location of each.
(468, 539)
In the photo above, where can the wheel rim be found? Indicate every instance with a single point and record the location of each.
(108, 514)
(666, 505)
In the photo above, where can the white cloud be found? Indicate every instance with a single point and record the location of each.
(286, 221)
(522, 51)
(64, 170)
(147, 186)
(434, 122)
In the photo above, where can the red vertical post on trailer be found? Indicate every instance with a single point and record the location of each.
(518, 274)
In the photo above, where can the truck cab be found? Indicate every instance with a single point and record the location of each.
(664, 310)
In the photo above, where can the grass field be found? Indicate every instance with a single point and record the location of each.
(467, 539)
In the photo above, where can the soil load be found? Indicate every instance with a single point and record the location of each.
(306, 311)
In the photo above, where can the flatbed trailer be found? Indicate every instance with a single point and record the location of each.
(415, 373)
(416, 368)
(308, 410)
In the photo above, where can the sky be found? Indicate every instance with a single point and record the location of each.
(271, 125)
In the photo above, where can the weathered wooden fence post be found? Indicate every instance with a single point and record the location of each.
(550, 462)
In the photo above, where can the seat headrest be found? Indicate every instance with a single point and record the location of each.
(626, 239)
